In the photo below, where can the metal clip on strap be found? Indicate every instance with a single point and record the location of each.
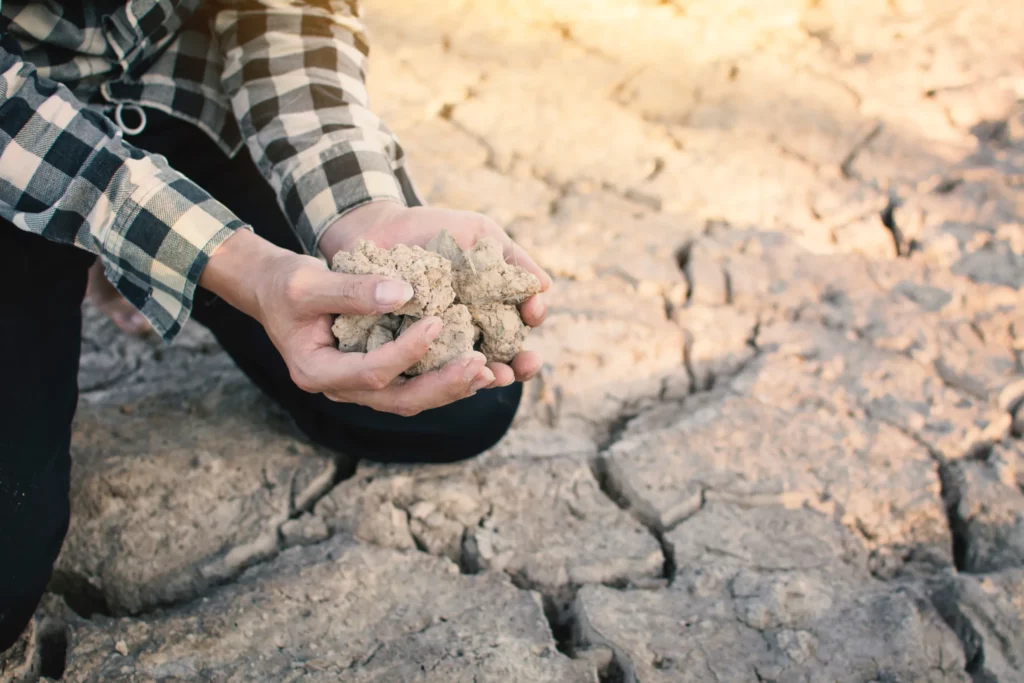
(128, 130)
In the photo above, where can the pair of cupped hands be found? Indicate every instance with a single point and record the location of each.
(295, 298)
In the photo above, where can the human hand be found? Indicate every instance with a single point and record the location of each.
(388, 223)
(295, 298)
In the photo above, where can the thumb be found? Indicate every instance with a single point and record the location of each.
(336, 293)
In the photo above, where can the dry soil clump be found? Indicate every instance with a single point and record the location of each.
(474, 292)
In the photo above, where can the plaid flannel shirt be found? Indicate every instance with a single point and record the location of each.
(286, 78)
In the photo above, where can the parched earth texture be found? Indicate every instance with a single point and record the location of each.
(777, 436)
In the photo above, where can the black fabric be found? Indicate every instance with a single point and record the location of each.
(42, 285)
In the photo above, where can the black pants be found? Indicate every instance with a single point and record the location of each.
(42, 285)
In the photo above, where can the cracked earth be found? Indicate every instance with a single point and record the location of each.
(778, 436)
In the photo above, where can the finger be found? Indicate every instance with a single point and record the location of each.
(329, 292)
(385, 363)
(455, 381)
(526, 365)
(483, 379)
(333, 372)
(503, 375)
(517, 255)
(533, 310)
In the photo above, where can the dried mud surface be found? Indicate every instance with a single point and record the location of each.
(778, 432)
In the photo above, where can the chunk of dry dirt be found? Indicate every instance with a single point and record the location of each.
(445, 279)
(429, 275)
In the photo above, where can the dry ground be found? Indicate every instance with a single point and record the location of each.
(777, 438)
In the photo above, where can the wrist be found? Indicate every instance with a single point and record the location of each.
(236, 268)
(344, 232)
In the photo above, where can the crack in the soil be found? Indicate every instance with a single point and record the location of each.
(791, 153)
(846, 165)
(616, 671)
(1016, 332)
(616, 428)
(561, 611)
(491, 162)
(561, 192)
(683, 254)
(341, 469)
(658, 167)
(617, 90)
(691, 374)
(269, 545)
(566, 33)
(888, 218)
(972, 642)
(951, 494)
(80, 595)
(52, 645)
(678, 10)
(41, 651)
(633, 196)
(612, 663)
(668, 569)
(839, 83)
(950, 489)
(558, 613)
(598, 466)
(563, 188)
(643, 199)
(754, 333)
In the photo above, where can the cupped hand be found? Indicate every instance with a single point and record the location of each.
(296, 297)
(388, 223)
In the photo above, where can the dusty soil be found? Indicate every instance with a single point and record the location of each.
(778, 433)
(474, 292)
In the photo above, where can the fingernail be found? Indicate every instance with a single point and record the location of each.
(392, 292)
(483, 378)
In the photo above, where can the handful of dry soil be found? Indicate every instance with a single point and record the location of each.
(475, 293)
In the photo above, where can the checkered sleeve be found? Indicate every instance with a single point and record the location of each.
(67, 174)
(295, 72)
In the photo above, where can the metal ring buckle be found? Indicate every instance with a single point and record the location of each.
(120, 121)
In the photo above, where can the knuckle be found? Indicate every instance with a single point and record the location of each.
(302, 380)
(406, 409)
(484, 225)
(350, 287)
(357, 292)
(373, 379)
(418, 347)
(456, 390)
(295, 287)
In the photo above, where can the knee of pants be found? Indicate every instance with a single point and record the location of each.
(454, 432)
